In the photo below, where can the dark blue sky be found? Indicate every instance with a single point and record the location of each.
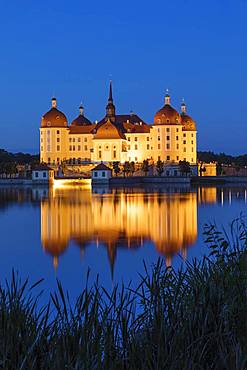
(198, 49)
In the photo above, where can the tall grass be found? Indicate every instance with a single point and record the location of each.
(194, 318)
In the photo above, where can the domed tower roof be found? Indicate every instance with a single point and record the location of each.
(167, 115)
(81, 120)
(187, 122)
(54, 117)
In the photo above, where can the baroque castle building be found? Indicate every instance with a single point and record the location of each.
(118, 137)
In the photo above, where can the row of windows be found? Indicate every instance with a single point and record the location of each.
(48, 132)
(78, 139)
(73, 148)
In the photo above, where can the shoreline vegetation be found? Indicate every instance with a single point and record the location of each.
(192, 318)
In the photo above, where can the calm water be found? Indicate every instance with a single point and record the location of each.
(63, 231)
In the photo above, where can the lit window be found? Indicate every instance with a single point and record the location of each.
(167, 146)
(167, 157)
(136, 147)
(167, 129)
(184, 141)
(58, 132)
(158, 146)
(58, 140)
(168, 138)
(176, 137)
(135, 138)
(79, 147)
(58, 148)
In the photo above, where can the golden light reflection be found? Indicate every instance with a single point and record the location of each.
(118, 219)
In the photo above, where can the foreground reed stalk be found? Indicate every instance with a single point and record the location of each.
(194, 318)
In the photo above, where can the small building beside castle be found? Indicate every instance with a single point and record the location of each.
(118, 137)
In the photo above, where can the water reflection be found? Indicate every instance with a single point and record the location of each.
(164, 218)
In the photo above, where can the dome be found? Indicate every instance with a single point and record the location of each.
(188, 123)
(54, 117)
(167, 115)
(81, 120)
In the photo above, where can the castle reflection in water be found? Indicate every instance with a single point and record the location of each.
(120, 218)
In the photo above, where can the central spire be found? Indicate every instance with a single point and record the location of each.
(110, 108)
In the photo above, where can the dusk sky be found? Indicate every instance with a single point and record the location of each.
(197, 49)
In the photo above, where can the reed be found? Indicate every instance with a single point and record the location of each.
(193, 318)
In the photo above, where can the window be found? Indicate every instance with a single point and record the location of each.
(192, 142)
(158, 146)
(70, 147)
(168, 138)
(48, 132)
(100, 154)
(58, 160)
(184, 135)
(79, 139)
(184, 142)
(85, 147)
(79, 147)
(41, 132)
(58, 148)
(41, 140)
(128, 138)
(167, 129)
(192, 135)
(167, 173)
(58, 132)
(192, 149)
(177, 158)
(74, 147)
(158, 129)
(167, 146)
(136, 147)
(73, 139)
(158, 157)
(128, 147)
(74, 161)
(177, 146)
(36, 174)
(48, 148)
(176, 137)
(175, 172)
(85, 139)
(135, 159)
(103, 173)
(136, 138)
(79, 160)
(95, 174)
(192, 160)
(167, 157)
(49, 160)
(48, 140)
(158, 138)
(42, 149)
(58, 139)
(70, 139)
(44, 174)
(184, 150)
(147, 138)
(176, 129)
(148, 146)
(114, 154)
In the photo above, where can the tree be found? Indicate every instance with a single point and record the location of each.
(145, 166)
(132, 168)
(116, 168)
(202, 168)
(126, 168)
(159, 167)
(184, 167)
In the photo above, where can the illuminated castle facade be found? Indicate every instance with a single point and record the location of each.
(125, 137)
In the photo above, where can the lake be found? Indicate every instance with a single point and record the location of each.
(61, 232)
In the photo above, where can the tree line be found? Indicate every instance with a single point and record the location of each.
(222, 158)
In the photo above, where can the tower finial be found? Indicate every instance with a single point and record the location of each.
(81, 109)
(53, 102)
(167, 97)
(110, 99)
(110, 108)
(183, 107)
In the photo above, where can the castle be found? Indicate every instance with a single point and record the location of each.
(125, 137)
